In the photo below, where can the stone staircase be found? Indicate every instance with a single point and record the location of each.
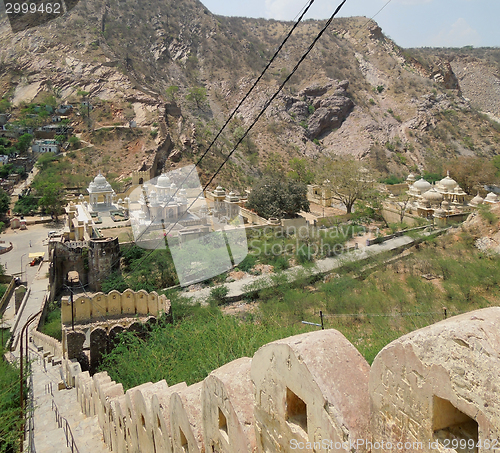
(51, 404)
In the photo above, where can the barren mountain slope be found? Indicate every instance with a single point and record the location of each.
(357, 93)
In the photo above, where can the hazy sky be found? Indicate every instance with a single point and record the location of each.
(411, 23)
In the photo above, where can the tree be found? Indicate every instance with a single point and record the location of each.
(4, 202)
(4, 105)
(272, 197)
(300, 171)
(26, 205)
(172, 92)
(51, 197)
(24, 142)
(197, 95)
(402, 206)
(472, 173)
(347, 180)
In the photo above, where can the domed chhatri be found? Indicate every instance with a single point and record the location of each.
(491, 198)
(163, 181)
(433, 196)
(411, 178)
(100, 187)
(422, 185)
(476, 201)
(447, 184)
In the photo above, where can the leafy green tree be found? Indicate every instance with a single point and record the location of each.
(300, 171)
(74, 141)
(4, 105)
(347, 180)
(281, 199)
(26, 205)
(4, 202)
(51, 197)
(172, 92)
(24, 142)
(198, 95)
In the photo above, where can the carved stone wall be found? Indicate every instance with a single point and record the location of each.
(315, 393)
(113, 305)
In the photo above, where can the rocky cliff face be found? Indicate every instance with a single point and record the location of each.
(357, 94)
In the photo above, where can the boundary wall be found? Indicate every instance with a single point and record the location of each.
(114, 304)
(314, 392)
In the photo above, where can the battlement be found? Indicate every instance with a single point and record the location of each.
(113, 305)
(315, 392)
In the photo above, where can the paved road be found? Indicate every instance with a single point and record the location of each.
(16, 262)
(240, 287)
(37, 291)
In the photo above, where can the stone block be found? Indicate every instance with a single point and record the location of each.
(439, 382)
(83, 309)
(118, 408)
(227, 407)
(160, 406)
(114, 303)
(186, 420)
(99, 345)
(131, 425)
(144, 414)
(99, 307)
(308, 388)
(128, 302)
(141, 301)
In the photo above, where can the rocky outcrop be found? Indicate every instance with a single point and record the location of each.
(323, 107)
(443, 73)
(330, 114)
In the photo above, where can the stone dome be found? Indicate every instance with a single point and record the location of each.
(163, 181)
(439, 213)
(448, 183)
(477, 200)
(491, 198)
(422, 185)
(432, 196)
(411, 178)
(100, 180)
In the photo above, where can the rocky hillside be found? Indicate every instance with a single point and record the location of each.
(357, 94)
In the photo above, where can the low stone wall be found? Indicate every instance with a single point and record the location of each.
(6, 249)
(252, 217)
(47, 343)
(113, 304)
(315, 392)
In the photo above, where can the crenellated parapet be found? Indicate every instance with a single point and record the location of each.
(102, 306)
(315, 393)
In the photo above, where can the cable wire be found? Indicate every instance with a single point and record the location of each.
(233, 113)
(231, 116)
(268, 103)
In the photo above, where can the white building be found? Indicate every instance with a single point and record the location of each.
(45, 146)
(100, 192)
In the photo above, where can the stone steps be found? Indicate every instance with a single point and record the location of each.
(48, 436)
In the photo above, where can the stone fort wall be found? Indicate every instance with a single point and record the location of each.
(113, 305)
(315, 392)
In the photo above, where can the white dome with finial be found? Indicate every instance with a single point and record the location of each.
(447, 184)
(422, 185)
(163, 181)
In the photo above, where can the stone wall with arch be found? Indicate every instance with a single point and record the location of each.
(100, 306)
